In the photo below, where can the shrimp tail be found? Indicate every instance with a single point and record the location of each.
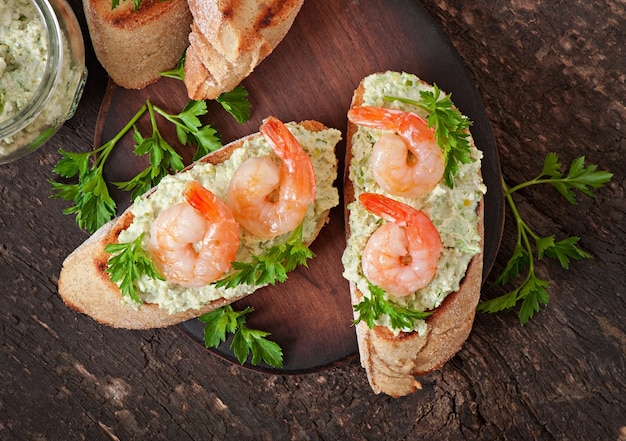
(202, 199)
(287, 147)
(375, 117)
(389, 209)
(381, 118)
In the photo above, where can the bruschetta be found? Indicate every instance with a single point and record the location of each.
(234, 204)
(414, 229)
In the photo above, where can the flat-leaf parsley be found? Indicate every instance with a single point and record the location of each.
(375, 306)
(226, 320)
(533, 291)
(271, 266)
(128, 262)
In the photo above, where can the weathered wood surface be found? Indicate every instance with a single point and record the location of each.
(552, 78)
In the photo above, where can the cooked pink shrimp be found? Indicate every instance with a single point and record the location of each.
(407, 162)
(193, 243)
(267, 199)
(401, 256)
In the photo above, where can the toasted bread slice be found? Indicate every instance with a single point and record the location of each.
(230, 38)
(86, 287)
(135, 46)
(392, 359)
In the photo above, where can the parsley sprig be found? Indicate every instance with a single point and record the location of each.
(93, 205)
(271, 266)
(245, 340)
(373, 307)
(128, 262)
(162, 156)
(532, 291)
(236, 103)
(451, 128)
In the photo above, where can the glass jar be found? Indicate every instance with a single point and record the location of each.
(42, 72)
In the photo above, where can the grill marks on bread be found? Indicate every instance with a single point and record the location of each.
(224, 40)
(229, 38)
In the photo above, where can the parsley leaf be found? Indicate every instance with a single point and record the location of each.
(236, 103)
(272, 266)
(533, 291)
(189, 128)
(579, 177)
(516, 264)
(565, 250)
(534, 294)
(373, 307)
(451, 128)
(93, 205)
(245, 340)
(129, 262)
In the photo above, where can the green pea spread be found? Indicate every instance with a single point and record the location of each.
(320, 146)
(23, 55)
(452, 210)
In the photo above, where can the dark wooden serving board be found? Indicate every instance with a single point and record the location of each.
(312, 74)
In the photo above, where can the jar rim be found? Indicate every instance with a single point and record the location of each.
(49, 80)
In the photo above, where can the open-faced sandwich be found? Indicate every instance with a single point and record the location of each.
(414, 226)
(190, 244)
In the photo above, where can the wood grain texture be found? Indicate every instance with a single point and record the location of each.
(552, 78)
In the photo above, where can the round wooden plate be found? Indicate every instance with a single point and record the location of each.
(312, 74)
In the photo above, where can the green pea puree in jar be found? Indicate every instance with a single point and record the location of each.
(23, 55)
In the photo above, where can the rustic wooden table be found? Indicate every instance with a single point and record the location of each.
(552, 77)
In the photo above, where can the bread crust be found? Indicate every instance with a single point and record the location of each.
(224, 40)
(392, 362)
(229, 38)
(85, 286)
(135, 46)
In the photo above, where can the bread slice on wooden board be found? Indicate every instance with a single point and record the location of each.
(230, 38)
(134, 46)
(392, 359)
(86, 287)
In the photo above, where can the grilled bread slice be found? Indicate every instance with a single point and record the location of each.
(230, 38)
(86, 287)
(132, 45)
(393, 358)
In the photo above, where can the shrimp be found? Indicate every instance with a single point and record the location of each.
(407, 162)
(194, 242)
(401, 256)
(269, 200)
